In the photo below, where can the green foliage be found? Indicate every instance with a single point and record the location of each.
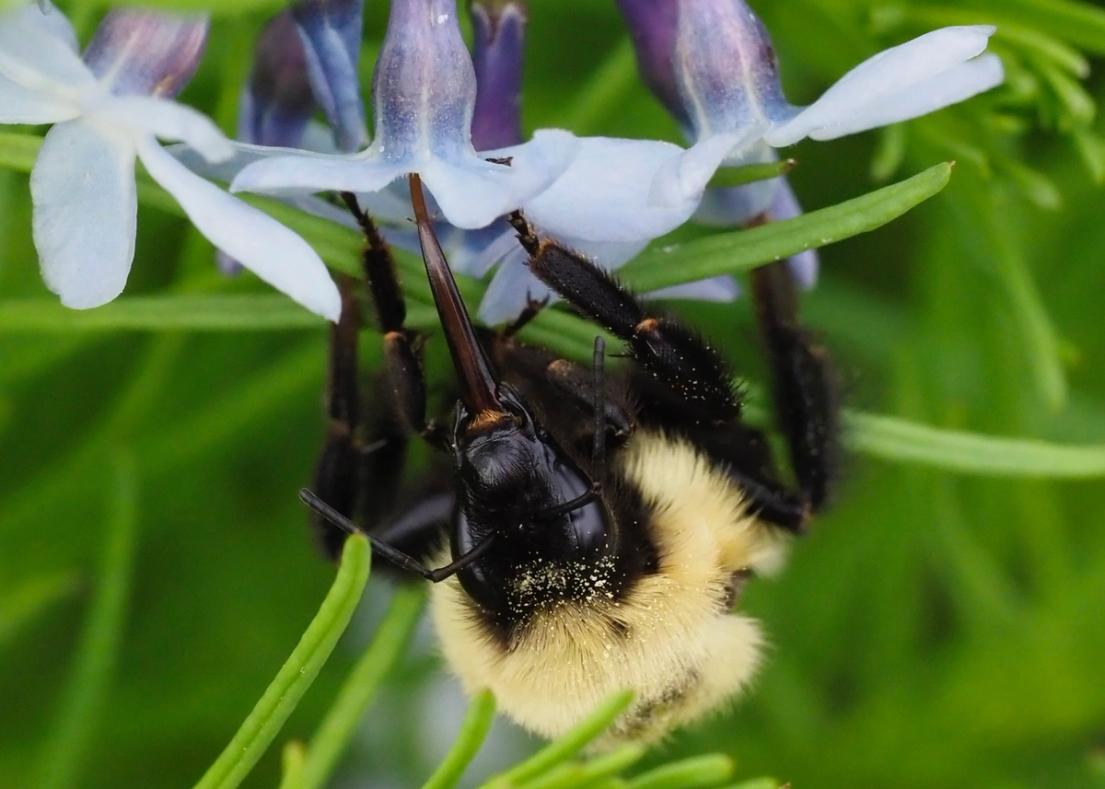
(940, 626)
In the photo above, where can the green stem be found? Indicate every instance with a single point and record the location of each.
(481, 714)
(697, 771)
(99, 642)
(337, 729)
(565, 747)
(296, 675)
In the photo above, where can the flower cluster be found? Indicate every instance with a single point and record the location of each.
(450, 116)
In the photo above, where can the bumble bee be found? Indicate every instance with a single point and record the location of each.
(598, 528)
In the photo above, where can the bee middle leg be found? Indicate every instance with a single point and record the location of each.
(686, 385)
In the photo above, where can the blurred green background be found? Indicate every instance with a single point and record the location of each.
(936, 629)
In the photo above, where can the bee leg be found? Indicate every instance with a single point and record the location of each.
(690, 374)
(336, 475)
(684, 383)
(405, 383)
(804, 386)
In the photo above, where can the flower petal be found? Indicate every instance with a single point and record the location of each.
(20, 105)
(610, 192)
(883, 77)
(953, 86)
(720, 289)
(167, 120)
(307, 172)
(36, 52)
(510, 290)
(85, 208)
(258, 242)
(475, 252)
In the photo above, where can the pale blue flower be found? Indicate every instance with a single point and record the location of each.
(424, 95)
(108, 110)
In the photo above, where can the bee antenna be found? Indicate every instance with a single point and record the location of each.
(393, 555)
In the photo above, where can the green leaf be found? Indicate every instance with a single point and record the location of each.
(731, 253)
(340, 723)
(95, 656)
(686, 774)
(902, 441)
(30, 600)
(296, 675)
(292, 759)
(586, 774)
(1079, 23)
(252, 312)
(749, 173)
(565, 747)
(473, 731)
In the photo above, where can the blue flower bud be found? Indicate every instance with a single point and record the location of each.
(500, 28)
(278, 100)
(145, 53)
(331, 34)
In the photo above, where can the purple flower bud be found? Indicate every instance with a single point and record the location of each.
(500, 30)
(425, 85)
(278, 101)
(653, 26)
(146, 53)
(711, 63)
(331, 34)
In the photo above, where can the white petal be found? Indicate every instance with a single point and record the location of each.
(37, 53)
(475, 252)
(720, 289)
(471, 194)
(885, 75)
(20, 105)
(685, 177)
(167, 120)
(953, 86)
(305, 172)
(258, 242)
(511, 288)
(85, 207)
(605, 194)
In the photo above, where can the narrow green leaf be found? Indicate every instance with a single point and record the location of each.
(686, 774)
(567, 746)
(473, 731)
(1032, 40)
(899, 440)
(1079, 23)
(579, 775)
(340, 723)
(18, 150)
(1092, 150)
(30, 600)
(96, 651)
(292, 759)
(252, 312)
(296, 675)
(730, 253)
(755, 783)
(739, 176)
